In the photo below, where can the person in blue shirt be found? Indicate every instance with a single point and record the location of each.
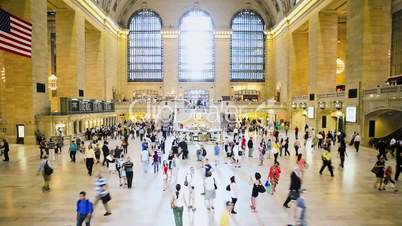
(217, 150)
(84, 210)
(73, 150)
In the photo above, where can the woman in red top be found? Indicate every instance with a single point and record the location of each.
(165, 175)
(274, 174)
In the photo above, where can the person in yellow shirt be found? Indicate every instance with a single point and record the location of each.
(326, 161)
(225, 218)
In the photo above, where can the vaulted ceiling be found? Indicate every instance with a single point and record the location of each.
(120, 10)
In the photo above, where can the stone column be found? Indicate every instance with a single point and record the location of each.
(70, 48)
(94, 65)
(322, 52)
(170, 66)
(369, 40)
(368, 35)
(299, 64)
(222, 67)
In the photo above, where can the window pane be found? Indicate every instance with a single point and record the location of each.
(196, 47)
(145, 47)
(247, 47)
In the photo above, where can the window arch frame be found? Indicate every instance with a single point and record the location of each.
(133, 15)
(263, 48)
(186, 13)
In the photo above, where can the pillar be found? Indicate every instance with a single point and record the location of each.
(299, 64)
(94, 65)
(322, 52)
(70, 48)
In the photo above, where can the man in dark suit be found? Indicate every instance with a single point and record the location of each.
(295, 185)
(6, 149)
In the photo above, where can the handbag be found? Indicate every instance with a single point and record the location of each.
(293, 194)
(216, 187)
(261, 188)
(106, 198)
(185, 182)
(228, 187)
(47, 169)
(375, 170)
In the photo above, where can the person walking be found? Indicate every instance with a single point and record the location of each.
(84, 209)
(301, 210)
(286, 146)
(326, 161)
(89, 159)
(275, 150)
(6, 149)
(294, 188)
(225, 217)
(296, 133)
(342, 152)
(261, 150)
(217, 151)
(128, 168)
(106, 152)
(356, 142)
(392, 146)
(145, 160)
(189, 183)
(234, 192)
(73, 150)
(378, 170)
(102, 194)
(46, 169)
(155, 162)
(250, 145)
(382, 150)
(257, 188)
(210, 190)
(273, 176)
(297, 146)
(177, 204)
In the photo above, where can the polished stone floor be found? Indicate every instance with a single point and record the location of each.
(347, 199)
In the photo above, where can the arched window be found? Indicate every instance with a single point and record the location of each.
(196, 47)
(145, 47)
(247, 47)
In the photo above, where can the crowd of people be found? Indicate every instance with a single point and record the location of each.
(247, 140)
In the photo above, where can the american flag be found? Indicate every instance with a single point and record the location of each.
(15, 34)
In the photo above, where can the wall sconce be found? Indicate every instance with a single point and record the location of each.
(340, 66)
(321, 105)
(52, 80)
(303, 105)
(294, 105)
(338, 104)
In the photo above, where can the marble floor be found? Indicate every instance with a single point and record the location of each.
(347, 199)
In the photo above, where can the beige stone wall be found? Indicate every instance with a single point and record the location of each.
(21, 102)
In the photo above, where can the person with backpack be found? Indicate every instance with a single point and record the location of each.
(84, 210)
(46, 169)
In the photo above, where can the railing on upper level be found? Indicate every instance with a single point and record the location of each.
(383, 90)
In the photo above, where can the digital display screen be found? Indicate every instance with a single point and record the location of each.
(310, 112)
(350, 114)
